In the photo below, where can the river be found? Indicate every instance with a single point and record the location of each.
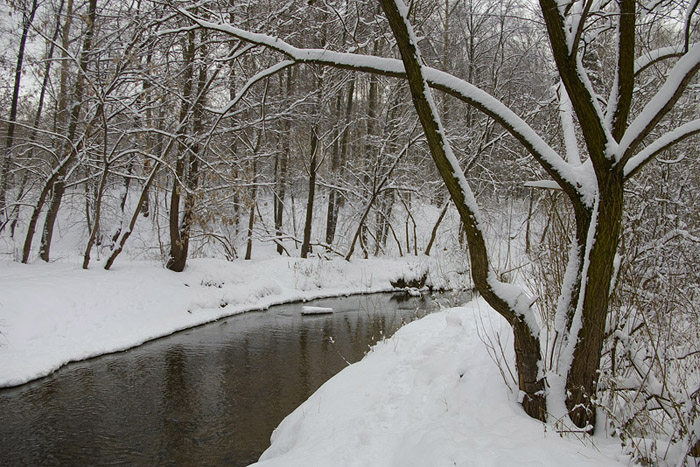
(210, 395)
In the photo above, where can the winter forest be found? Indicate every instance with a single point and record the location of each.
(544, 154)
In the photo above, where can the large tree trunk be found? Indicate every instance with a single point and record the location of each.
(582, 378)
(526, 343)
(34, 219)
(175, 262)
(59, 188)
(587, 316)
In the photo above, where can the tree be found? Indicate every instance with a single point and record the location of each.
(618, 137)
(27, 19)
(55, 184)
(187, 165)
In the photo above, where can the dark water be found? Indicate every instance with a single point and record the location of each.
(207, 396)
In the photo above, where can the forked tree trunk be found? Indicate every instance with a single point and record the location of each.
(59, 188)
(526, 344)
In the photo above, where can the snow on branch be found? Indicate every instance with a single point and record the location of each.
(663, 142)
(653, 56)
(563, 172)
(254, 79)
(661, 103)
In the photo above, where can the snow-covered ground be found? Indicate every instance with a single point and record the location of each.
(429, 396)
(52, 314)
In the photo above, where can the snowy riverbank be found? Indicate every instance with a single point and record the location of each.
(431, 395)
(52, 314)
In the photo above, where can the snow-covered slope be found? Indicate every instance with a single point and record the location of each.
(429, 396)
(52, 314)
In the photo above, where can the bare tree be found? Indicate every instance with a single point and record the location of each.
(615, 146)
(27, 20)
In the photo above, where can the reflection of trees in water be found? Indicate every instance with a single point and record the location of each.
(207, 396)
(178, 402)
(304, 360)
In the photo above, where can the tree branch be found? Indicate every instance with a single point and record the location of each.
(580, 91)
(662, 102)
(562, 172)
(624, 80)
(664, 142)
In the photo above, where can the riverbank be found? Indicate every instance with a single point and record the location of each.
(52, 314)
(431, 395)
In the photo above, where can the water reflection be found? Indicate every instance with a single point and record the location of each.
(207, 396)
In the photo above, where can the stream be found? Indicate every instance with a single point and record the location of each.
(210, 395)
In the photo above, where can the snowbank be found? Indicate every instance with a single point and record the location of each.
(52, 314)
(429, 396)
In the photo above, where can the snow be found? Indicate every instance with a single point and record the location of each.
(444, 81)
(658, 145)
(52, 314)
(430, 395)
(655, 55)
(566, 115)
(676, 81)
(544, 184)
(315, 310)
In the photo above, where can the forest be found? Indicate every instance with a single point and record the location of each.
(356, 129)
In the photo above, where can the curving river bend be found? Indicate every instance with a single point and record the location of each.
(206, 396)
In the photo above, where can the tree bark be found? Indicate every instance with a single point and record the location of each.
(251, 212)
(125, 234)
(433, 233)
(27, 20)
(177, 257)
(306, 244)
(98, 209)
(527, 346)
(334, 198)
(582, 378)
(281, 172)
(59, 187)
